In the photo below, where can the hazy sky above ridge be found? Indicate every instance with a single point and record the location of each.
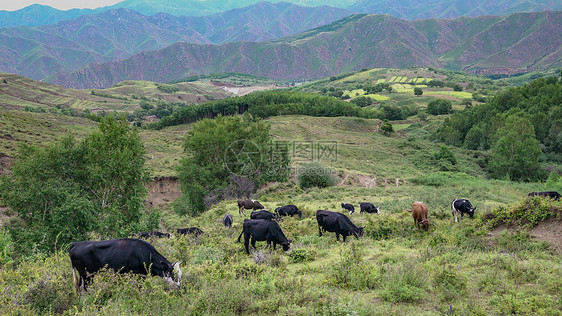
(11, 5)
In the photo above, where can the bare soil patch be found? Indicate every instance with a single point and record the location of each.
(549, 231)
(162, 191)
(5, 163)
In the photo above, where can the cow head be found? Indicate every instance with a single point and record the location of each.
(300, 213)
(287, 245)
(169, 274)
(359, 232)
(425, 224)
(471, 212)
(378, 210)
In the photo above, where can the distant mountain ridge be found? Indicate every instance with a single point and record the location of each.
(448, 9)
(490, 44)
(38, 52)
(36, 15)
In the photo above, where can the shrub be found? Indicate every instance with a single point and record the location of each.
(6, 249)
(439, 106)
(303, 255)
(315, 175)
(404, 284)
(450, 283)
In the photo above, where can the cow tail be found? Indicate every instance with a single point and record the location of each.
(77, 280)
(240, 234)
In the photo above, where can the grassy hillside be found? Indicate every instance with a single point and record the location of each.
(473, 267)
(403, 82)
(19, 92)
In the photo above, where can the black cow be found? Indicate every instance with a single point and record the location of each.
(338, 223)
(369, 208)
(248, 205)
(122, 256)
(263, 230)
(349, 207)
(462, 206)
(264, 214)
(227, 220)
(147, 235)
(288, 210)
(551, 194)
(196, 231)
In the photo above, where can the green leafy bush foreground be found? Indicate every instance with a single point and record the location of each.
(527, 212)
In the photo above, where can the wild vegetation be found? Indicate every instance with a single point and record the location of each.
(503, 261)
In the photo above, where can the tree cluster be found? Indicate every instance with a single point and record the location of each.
(69, 189)
(518, 125)
(226, 155)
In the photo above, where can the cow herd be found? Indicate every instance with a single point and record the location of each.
(140, 257)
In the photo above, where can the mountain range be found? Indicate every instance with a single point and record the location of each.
(482, 45)
(38, 52)
(448, 9)
(36, 15)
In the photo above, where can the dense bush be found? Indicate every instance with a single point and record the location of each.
(439, 106)
(66, 190)
(315, 175)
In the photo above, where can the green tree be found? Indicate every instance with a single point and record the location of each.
(225, 146)
(439, 106)
(362, 101)
(516, 152)
(116, 174)
(66, 190)
(553, 183)
(418, 91)
(473, 139)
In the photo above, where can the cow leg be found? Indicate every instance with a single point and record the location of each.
(241, 211)
(344, 237)
(254, 243)
(319, 230)
(455, 214)
(247, 243)
(338, 237)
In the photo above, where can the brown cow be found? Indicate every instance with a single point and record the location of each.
(248, 205)
(419, 213)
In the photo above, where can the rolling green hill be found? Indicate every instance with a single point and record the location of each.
(21, 92)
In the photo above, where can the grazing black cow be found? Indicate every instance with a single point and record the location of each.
(462, 206)
(263, 230)
(264, 214)
(288, 210)
(349, 207)
(338, 223)
(369, 208)
(122, 256)
(248, 205)
(147, 235)
(551, 194)
(227, 220)
(196, 231)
